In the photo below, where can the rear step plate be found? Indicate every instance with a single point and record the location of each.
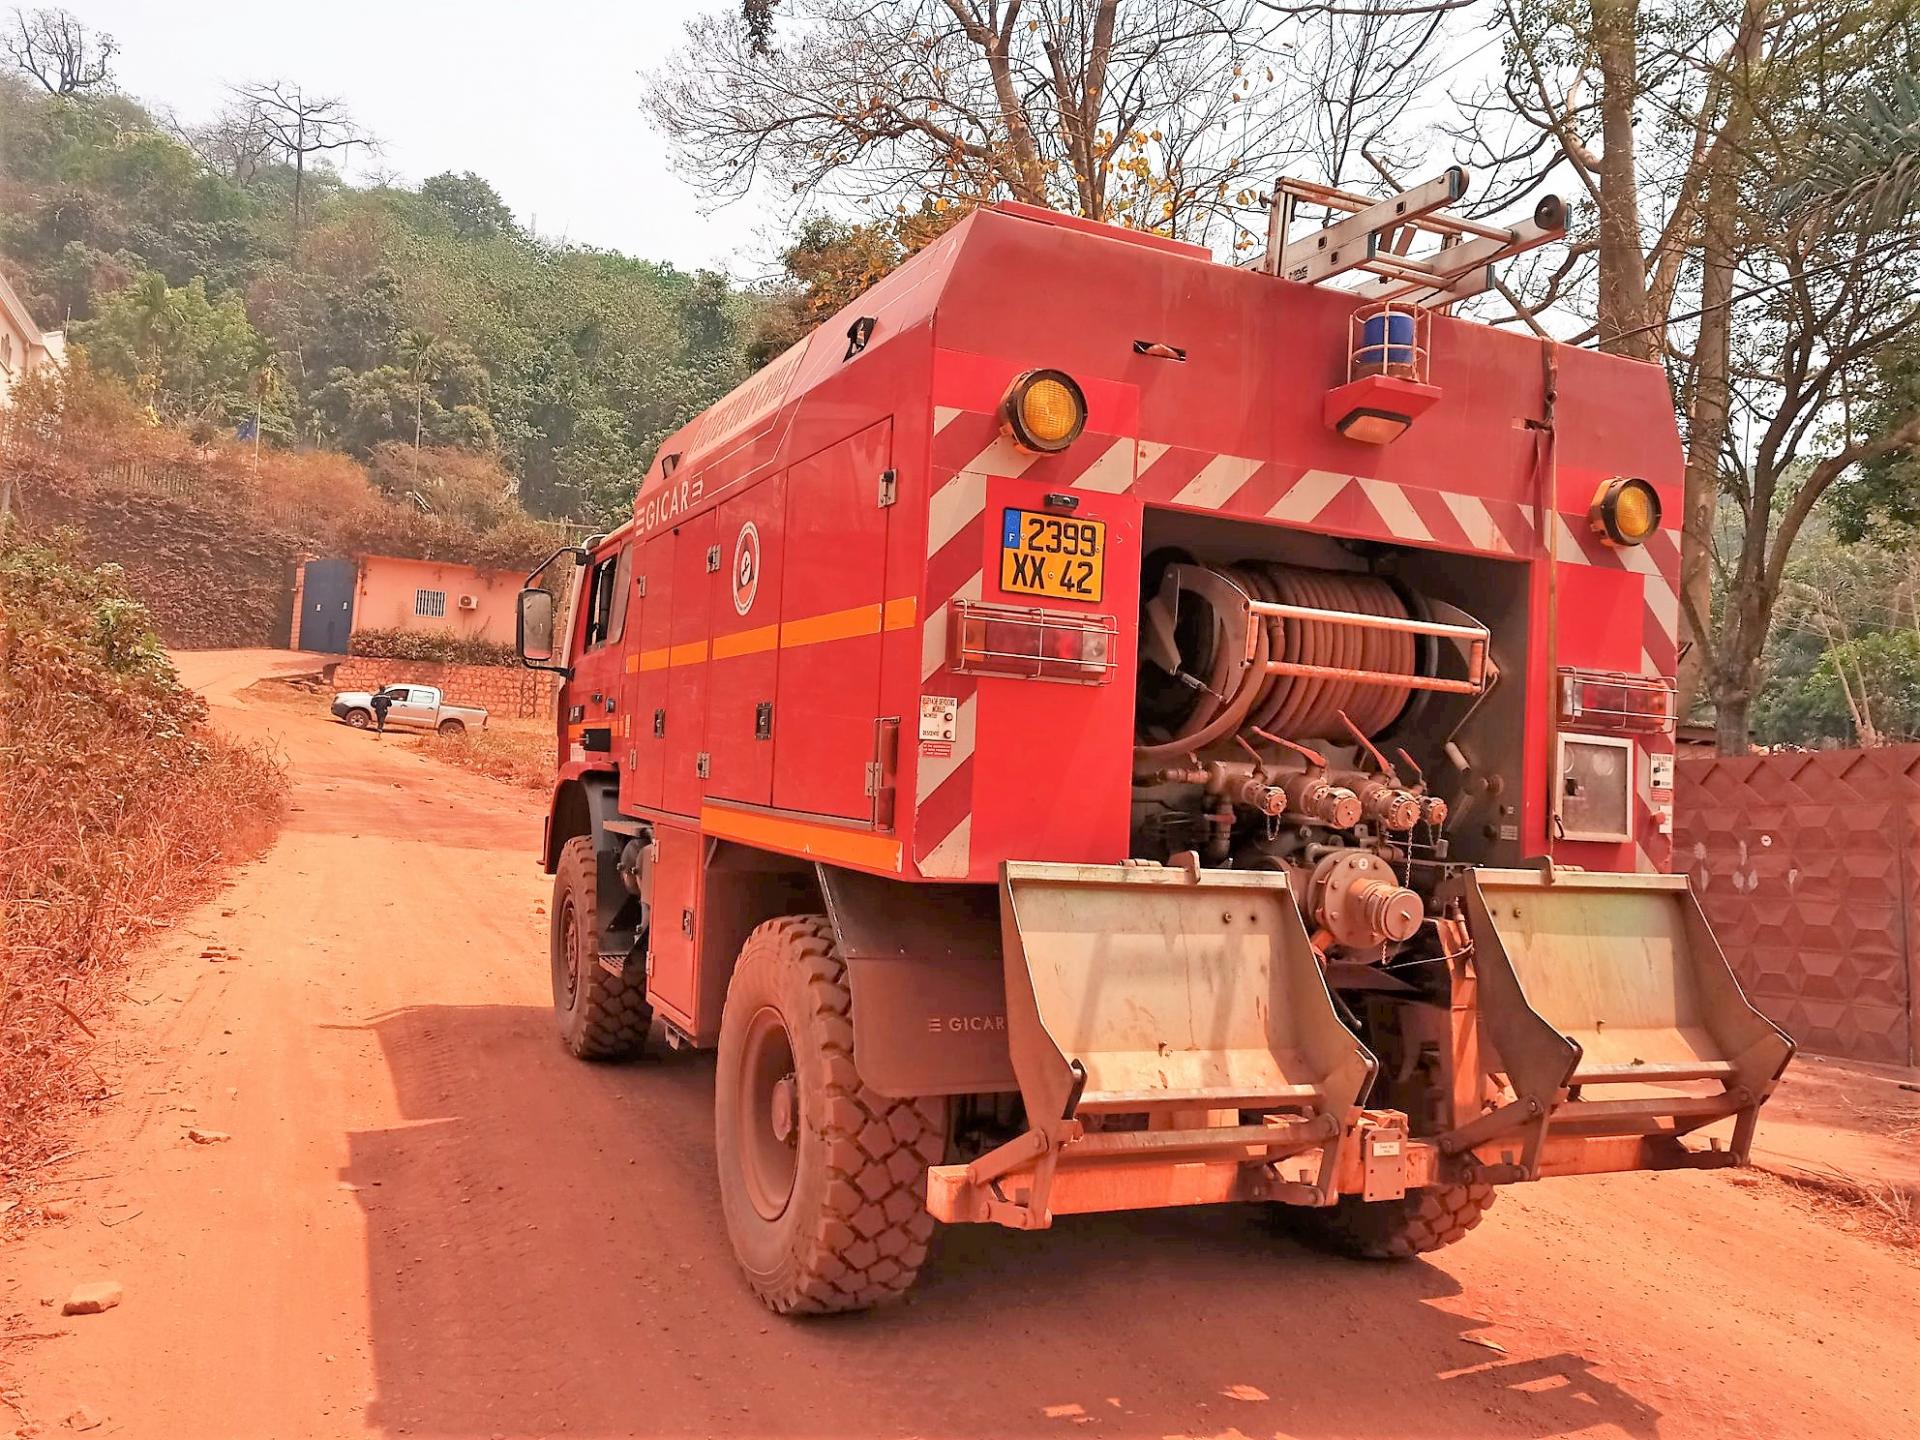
(1184, 996)
(1602, 992)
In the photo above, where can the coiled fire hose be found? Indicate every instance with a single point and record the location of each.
(1237, 699)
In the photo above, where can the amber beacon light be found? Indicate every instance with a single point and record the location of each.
(1045, 411)
(1625, 512)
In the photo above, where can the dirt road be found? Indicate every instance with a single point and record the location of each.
(430, 1221)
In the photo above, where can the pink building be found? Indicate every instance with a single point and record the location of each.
(338, 598)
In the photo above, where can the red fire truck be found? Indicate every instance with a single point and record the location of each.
(1092, 727)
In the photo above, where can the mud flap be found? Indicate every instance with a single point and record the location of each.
(1609, 983)
(1186, 997)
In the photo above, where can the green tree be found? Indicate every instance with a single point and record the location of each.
(188, 357)
(419, 316)
(831, 261)
(93, 193)
(1689, 127)
(472, 207)
(425, 403)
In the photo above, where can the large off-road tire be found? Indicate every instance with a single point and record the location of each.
(1421, 1221)
(453, 727)
(602, 1016)
(823, 1182)
(359, 719)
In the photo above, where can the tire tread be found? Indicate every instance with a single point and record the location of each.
(1419, 1223)
(616, 1014)
(869, 1239)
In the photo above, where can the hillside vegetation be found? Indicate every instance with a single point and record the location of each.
(119, 807)
(362, 320)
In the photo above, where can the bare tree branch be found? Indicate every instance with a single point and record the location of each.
(54, 48)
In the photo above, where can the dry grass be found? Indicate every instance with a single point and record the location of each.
(119, 808)
(1879, 1209)
(514, 754)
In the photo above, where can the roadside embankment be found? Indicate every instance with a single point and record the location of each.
(119, 807)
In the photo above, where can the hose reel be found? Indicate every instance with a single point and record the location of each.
(1263, 646)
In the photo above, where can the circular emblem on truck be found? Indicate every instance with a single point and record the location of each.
(746, 568)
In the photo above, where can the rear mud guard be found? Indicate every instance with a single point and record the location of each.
(1186, 998)
(1613, 982)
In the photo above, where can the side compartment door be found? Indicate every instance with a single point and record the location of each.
(670, 947)
(695, 572)
(644, 685)
(832, 602)
(746, 646)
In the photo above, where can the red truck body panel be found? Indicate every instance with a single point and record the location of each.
(803, 541)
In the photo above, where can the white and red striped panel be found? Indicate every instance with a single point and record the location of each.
(968, 449)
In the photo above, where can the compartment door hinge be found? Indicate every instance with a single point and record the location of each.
(702, 764)
(889, 487)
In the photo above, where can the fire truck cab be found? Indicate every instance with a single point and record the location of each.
(1092, 727)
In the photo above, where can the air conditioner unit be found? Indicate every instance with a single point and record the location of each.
(469, 602)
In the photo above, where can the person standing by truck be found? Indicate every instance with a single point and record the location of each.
(382, 702)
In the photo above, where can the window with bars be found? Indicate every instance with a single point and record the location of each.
(430, 603)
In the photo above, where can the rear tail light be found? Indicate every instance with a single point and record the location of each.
(1597, 699)
(1032, 644)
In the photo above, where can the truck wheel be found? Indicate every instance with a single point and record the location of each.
(359, 719)
(1421, 1221)
(823, 1182)
(453, 727)
(602, 1016)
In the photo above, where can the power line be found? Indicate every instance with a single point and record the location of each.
(1771, 285)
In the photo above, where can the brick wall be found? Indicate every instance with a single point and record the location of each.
(505, 691)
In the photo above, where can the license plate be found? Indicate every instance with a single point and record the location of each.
(1052, 555)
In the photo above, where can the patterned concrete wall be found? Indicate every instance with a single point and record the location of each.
(1808, 866)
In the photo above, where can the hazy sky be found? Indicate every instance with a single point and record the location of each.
(542, 99)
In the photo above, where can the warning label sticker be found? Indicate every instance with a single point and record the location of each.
(939, 721)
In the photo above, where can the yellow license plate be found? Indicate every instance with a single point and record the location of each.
(1052, 555)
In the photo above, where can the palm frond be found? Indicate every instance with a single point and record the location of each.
(1868, 158)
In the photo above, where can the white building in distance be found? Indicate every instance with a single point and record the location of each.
(24, 346)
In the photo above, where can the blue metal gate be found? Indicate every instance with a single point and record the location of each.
(326, 605)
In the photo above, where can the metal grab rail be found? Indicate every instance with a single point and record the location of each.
(1473, 640)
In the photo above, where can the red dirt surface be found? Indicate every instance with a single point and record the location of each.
(429, 1221)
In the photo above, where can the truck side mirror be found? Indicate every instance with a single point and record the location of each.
(534, 630)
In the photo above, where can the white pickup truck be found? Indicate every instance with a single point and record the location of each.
(413, 707)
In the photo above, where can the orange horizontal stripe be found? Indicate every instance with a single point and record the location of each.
(834, 625)
(746, 642)
(633, 662)
(849, 624)
(802, 837)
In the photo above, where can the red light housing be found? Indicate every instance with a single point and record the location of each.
(1032, 644)
(1607, 700)
(1377, 409)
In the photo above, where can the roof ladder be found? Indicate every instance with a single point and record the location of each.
(1375, 236)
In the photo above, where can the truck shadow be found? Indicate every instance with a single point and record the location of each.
(546, 1254)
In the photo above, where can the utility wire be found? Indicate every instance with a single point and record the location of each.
(1746, 295)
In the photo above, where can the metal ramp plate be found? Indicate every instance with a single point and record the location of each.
(1594, 980)
(1140, 988)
